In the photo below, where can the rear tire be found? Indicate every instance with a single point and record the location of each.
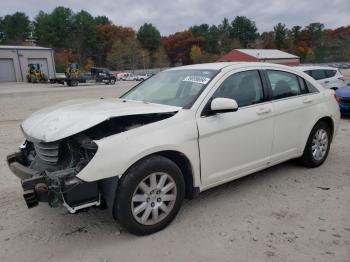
(149, 195)
(317, 146)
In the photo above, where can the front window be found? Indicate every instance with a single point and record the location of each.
(244, 87)
(175, 87)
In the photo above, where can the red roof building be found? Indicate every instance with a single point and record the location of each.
(261, 55)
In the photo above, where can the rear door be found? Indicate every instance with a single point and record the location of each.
(293, 105)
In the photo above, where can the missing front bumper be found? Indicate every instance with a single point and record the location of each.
(37, 186)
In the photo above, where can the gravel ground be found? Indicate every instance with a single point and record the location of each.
(284, 213)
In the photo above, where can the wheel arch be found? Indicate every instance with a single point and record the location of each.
(185, 165)
(326, 119)
(329, 121)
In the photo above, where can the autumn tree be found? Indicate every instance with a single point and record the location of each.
(196, 54)
(125, 55)
(178, 46)
(106, 36)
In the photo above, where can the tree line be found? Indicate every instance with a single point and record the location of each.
(96, 41)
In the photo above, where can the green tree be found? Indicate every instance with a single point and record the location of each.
(316, 41)
(2, 34)
(102, 20)
(149, 37)
(83, 35)
(224, 36)
(14, 29)
(245, 30)
(280, 39)
(295, 33)
(210, 35)
(54, 29)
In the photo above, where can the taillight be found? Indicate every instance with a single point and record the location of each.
(337, 98)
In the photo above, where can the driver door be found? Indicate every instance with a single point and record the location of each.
(234, 144)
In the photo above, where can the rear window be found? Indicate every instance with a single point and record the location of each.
(284, 84)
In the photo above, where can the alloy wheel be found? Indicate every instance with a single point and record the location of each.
(319, 144)
(154, 198)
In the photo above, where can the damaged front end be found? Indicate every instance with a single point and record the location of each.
(48, 172)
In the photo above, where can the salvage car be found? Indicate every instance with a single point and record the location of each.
(183, 131)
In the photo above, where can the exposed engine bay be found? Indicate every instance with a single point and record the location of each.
(48, 169)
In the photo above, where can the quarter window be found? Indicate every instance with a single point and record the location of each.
(318, 74)
(244, 87)
(285, 84)
(330, 73)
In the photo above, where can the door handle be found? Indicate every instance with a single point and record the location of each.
(263, 110)
(307, 100)
(326, 82)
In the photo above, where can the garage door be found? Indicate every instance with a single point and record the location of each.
(42, 62)
(7, 70)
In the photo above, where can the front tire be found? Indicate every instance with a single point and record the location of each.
(317, 146)
(149, 195)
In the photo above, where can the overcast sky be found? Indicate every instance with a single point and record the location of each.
(170, 16)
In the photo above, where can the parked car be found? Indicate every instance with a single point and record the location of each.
(128, 77)
(142, 77)
(181, 132)
(343, 98)
(328, 77)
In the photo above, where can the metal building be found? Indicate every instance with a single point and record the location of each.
(261, 55)
(14, 62)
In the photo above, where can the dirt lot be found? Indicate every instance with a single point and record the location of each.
(285, 213)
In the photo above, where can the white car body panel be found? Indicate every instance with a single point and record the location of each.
(220, 148)
(68, 118)
(118, 152)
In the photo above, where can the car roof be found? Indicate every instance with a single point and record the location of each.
(305, 68)
(228, 65)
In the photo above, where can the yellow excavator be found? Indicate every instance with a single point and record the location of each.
(35, 74)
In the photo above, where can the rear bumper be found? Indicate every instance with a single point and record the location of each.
(52, 188)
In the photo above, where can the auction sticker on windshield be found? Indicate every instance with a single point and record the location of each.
(197, 79)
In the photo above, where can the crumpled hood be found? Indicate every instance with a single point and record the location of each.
(71, 117)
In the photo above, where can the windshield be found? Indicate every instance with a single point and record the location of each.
(175, 87)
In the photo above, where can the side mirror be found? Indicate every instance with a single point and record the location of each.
(223, 105)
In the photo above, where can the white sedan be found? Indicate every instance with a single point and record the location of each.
(185, 130)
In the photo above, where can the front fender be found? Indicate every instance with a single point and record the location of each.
(117, 153)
